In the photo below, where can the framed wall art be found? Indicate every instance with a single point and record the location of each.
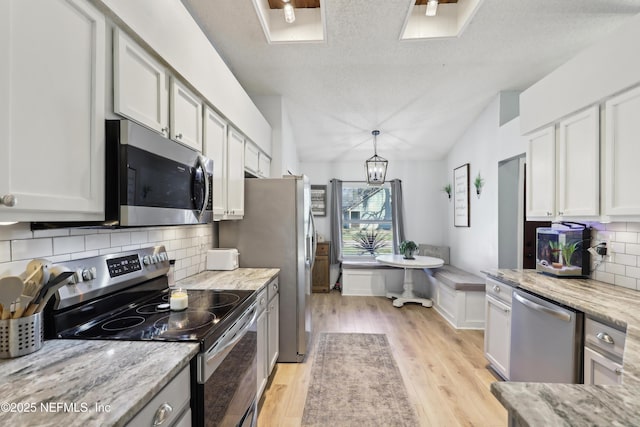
(461, 196)
(319, 200)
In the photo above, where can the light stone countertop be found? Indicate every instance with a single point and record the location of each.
(252, 279)
(84, 374)
(539, 404)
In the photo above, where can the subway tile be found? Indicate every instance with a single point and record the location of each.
(59, 258)
(633, 272)
(82, 231)
(626, 237)
(169, 234)
(625, 282)
(130, 248)
(67, 245)
(632, 249)
(625, 259)
(120, 239)
(192, 270)
(602, 236)
(32, 248)
(21, 230)
(633, 226)
(139, 237)
(180, 274)
(55, 232)
(108, 251)
(615, 268)
(604, 277)
(617, 226)
(13, 268)
(5, 251)
(155, 235)
(617, 247)
(181, 233)
(97, 241)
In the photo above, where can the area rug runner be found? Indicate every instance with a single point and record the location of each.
(355, 381)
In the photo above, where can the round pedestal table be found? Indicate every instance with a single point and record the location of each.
(420, 262)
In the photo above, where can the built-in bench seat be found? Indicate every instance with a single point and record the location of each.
(370, 278)
(458, 296)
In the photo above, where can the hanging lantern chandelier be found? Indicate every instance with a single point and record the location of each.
(376, 166)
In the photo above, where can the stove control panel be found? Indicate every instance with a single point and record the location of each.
(123, 265)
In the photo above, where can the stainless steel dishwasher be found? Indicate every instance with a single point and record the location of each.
(546, 340)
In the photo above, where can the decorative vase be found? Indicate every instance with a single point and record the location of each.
(408, 255)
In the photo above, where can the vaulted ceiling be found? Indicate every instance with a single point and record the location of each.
(421, 94)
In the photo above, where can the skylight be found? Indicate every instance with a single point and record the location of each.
(450, 20)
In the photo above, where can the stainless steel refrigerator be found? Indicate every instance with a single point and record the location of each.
(278, 231)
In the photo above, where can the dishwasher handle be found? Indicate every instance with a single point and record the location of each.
(534, 306)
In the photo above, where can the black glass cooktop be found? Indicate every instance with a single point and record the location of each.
(151, 319)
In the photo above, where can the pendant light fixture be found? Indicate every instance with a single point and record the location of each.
(289, 14)
(375, 166)
(432, 7)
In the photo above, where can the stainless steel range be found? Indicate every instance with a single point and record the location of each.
(126, 297)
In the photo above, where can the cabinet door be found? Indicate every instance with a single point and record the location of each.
(622, 151)
(185, 116)
(215, 148)
(274, 331)
(541, 174)
(52, 89)
(600, 370)
(263, 360)
(579, 165)
(140, 87)
(264, 166)
(251, 158)
(235, 175)
(497, 335)
(320, 274)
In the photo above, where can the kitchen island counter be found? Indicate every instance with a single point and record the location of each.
(87, 382)
(534, 404)
(252, 279)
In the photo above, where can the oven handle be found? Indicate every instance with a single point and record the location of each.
(203, 165)
(222, 352)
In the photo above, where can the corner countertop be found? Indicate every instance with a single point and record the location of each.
(67, 381)
(537, 404)
(87, 383)
(252, 279)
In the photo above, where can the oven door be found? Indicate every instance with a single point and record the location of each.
(227, 377)
(160, 182)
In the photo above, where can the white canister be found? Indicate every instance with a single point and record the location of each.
(179, 300)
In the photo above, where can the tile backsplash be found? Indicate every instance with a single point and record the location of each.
(621, 266)
(187, 244)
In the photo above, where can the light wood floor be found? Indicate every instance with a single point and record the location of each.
(444, 370)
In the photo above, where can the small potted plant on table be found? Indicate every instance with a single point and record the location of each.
(408, 248)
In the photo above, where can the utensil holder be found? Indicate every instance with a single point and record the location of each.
(20, 336)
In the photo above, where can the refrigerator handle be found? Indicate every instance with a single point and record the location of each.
(314, 242)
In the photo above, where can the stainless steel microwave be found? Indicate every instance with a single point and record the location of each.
(151, 181)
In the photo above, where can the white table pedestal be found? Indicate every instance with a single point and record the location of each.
(419, 262)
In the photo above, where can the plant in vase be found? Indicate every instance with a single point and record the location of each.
(407, 249)
(478, 183)
(447, 189)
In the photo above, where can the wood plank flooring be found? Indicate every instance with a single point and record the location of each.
(444, 370)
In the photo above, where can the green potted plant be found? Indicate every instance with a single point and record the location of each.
(408, 248)
(447, 189)
(478, 183)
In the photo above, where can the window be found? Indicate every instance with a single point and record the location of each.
(367, 220)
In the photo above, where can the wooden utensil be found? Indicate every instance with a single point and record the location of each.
(24, 303)
(10, 290)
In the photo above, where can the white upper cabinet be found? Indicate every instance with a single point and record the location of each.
(215, 148)
(264, 166)
(186, 116)
(622, 156)
(579, 165)
(541, 174)
(251, 158)
(140, 85)
(235, 175)
(52, 98)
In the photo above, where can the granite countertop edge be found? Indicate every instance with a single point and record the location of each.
(533, 404)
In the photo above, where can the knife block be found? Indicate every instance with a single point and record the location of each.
(21, 336)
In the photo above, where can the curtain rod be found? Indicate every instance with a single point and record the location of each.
(361, 182)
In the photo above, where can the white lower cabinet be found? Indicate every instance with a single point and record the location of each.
(497, 333)
(268, 325)
(52, 110)
(263, 337)
(600, 370)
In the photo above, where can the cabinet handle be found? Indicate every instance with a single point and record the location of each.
(275, 287)
(179, 136)
(561, 213)
(506, 310)
(549, 214)
(9, 200)
(603, 336)
(618, 371)
(162, 414)
(496, 289)
(164, 130)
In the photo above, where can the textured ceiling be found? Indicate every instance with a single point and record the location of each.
(422, 94)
